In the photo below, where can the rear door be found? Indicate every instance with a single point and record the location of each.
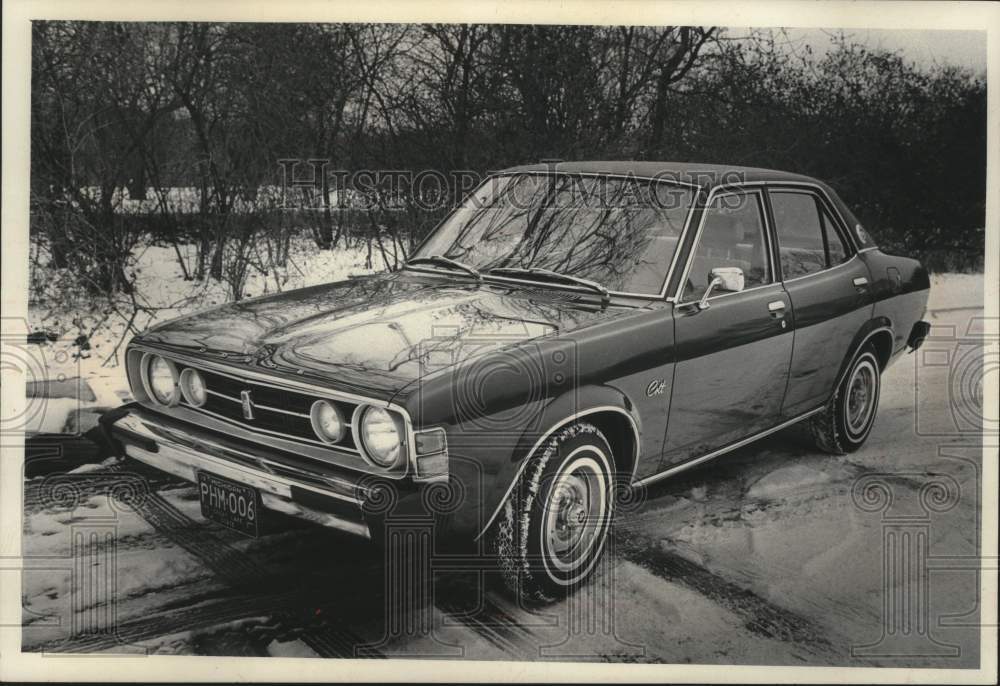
(732, 358)
(829, 288)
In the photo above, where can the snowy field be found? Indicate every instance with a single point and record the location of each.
(774, 554)
(162, 289)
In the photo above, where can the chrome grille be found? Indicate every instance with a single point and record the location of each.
(274, 410)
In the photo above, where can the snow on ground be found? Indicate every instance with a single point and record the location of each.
(293, 648)
(99, 372)
(187, 199)
(57, 534)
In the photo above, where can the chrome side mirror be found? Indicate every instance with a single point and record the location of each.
(726, 278)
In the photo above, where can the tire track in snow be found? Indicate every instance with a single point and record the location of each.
(67, 490)
(233, 567)
(253, 584)
(490, 621)
(760, 616)
(131, 633)
(240, 571)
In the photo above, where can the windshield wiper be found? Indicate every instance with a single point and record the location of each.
(447, 262)
(549, 274)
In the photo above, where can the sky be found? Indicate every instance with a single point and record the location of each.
(925, 48)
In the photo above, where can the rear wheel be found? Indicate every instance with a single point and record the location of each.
(844, 425)
(553, 528)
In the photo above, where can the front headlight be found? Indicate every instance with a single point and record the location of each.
(327, 421)
(193, 387)
(380, 434)
(161, 380)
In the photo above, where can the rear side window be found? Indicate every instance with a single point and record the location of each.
(808, 241)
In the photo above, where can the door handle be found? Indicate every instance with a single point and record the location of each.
(776, 308)
(860, 282)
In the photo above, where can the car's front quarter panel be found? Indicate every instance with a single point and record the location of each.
(497, 407)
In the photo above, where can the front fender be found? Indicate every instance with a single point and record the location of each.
(571, 406)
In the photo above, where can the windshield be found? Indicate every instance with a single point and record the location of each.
(620, 232)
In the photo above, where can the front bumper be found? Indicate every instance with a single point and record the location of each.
(332, 498)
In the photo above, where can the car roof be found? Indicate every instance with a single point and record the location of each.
(701, 174)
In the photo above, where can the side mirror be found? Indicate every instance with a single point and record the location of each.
(725, 278)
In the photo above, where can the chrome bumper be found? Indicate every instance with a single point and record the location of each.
(282, 488)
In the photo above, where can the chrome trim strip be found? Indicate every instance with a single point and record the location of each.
(222, 395)
(609, 175)
(256, 376)
(256, 405)
(727, 294)
(179, 464)
(327, 519)
(680, 244)
(821, 271)
(193, 460)
(722, 451)
(277, 434)
(527, 458)
(857, 351)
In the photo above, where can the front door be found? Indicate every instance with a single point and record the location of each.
(732, 357)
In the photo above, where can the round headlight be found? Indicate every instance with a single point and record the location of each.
(381, 436)
(161, 380)
(327, 421)
(193, 387)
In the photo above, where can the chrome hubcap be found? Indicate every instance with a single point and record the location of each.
(861, 397)
(575, 513)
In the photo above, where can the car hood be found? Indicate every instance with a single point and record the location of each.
(375, 335)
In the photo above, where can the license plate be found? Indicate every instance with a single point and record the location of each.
(229, 503)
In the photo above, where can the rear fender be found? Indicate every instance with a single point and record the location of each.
(875, 330)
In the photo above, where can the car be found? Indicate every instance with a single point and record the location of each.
(570, 333)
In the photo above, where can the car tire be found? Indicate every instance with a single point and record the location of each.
(552, 530)
(844, 424)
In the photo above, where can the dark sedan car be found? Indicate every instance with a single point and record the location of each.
(568, 332)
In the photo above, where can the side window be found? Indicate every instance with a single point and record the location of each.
(836, 248)
(808, 241)
(733, 236)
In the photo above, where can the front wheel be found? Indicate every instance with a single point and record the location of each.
(555, 523)
(844, 425)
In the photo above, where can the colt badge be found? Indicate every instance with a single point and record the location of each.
(656, 387)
